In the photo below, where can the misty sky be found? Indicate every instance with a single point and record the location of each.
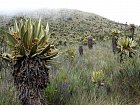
(117, 10)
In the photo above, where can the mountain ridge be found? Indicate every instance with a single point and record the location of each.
(74, 23)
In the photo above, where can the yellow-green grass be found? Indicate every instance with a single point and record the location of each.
(71, 79)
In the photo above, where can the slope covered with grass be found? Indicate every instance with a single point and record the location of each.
(71, 79)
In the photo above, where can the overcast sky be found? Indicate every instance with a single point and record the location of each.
(118, 10)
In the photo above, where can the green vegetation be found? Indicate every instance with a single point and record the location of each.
(71, 83)
(30, 51)
(126, 47)
(74, 25)
(98, 77)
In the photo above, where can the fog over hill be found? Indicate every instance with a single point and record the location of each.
(72, 22)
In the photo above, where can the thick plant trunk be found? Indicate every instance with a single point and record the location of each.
(90, 42)
(29, 96)
(80, 50)
(30, 78)
(114, 44)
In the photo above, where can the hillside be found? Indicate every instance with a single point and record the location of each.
(107, 73)
(73, 23)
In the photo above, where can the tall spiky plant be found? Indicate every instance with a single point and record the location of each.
(80, 50)
(126, 46)
(90, 42)
(115, 35)
(30, 50)
(132, 30)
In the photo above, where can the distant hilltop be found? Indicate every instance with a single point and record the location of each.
(64, 22)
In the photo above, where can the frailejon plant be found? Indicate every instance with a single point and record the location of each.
(90, 42)
(132, 29)
(84, 41)
(115, 34)
(70, 54)
(138, 39)
(98, 76)
(30, 52)
(69, 57)
(126, 47)
(80, 50)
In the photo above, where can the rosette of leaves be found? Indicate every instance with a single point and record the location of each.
(98, 77)
(85, 41)
(30, 51)
(70, 54)
(115, 32)
(126, 46)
